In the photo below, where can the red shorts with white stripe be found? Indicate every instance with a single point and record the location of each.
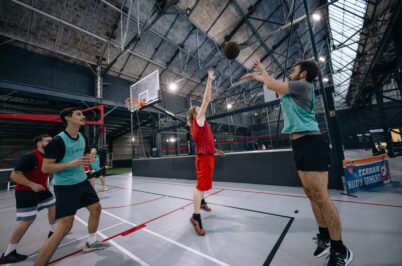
(204, 167)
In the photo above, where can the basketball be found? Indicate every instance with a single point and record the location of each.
(231, 50)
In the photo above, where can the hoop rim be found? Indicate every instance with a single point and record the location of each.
(132, 103)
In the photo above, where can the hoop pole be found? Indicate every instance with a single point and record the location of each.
(132, 136)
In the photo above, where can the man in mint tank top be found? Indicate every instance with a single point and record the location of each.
(98, 170)
(311, 152)
(65, 156)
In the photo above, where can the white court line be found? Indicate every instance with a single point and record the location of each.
(74, 240)
(171, 241)
(125, 251)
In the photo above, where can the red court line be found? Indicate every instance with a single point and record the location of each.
(134, 204)
(135, 228)
(165, 214)
(282, 194)
(66, 256)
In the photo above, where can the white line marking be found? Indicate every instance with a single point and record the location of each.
(123, 250)
(77, 239)
(171, 241)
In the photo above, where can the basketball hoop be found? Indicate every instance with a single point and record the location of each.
(133, 104)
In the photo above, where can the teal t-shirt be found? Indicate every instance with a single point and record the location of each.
(298, 108)
(64, 149)
(96, 164)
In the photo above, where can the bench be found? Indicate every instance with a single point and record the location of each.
(5, 178)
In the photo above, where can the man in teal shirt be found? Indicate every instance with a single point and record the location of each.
(65, 156)
(98, 171)
(311, 152)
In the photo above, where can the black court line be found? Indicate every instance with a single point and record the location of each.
(278, 243)
(218, 204)
(272, 254)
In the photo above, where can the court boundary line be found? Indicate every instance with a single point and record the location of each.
(34, 254)
(170, 240)
(278, 242)
(136, 228)
(274, 193)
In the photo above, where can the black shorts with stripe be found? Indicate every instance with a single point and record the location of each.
(70, 198)
(30, 202)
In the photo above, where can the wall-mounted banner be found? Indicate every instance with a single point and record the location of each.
(366, 173)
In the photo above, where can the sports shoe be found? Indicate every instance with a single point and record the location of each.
(205, 207)
(339, 259)
(197, 226)
(97, 245)
(323, 246)
(12, 257)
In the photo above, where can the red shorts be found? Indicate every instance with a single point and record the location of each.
(204, 167)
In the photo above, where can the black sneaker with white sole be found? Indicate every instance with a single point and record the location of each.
(323, 246)
(12, 257)
(339, 259)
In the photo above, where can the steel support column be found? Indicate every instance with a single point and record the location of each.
(336, 149)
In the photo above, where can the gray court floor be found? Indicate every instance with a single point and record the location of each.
(249, 225)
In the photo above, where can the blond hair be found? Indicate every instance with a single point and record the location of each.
(190, 116)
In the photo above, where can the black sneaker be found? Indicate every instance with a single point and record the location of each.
(323, 246)
(339, 259)
(50, 234)
(12, 257)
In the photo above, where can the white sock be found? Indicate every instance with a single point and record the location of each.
(10, 248)
(52, 227)
(91, 238)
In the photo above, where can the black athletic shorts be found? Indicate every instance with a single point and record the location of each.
(30, 202)
(311, 153)
(73, 197)
(89, 175)
(101, 172)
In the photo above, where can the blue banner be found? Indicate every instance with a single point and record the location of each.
(366, 173)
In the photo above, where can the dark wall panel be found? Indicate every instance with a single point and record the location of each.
(262, 167)
(25, 67)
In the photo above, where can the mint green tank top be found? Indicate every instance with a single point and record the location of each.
(74, 150)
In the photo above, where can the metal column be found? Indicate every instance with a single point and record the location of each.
(336, 154)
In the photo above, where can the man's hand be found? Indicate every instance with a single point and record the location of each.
(220, 153)
(37, 187)
(86, 159)
(253, 76)
(258, 66)
(211, 74)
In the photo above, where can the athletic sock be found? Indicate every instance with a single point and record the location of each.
(197, 217)
(91, 238)
(52, 227)
(324, 233)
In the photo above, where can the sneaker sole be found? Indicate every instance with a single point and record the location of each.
(350, 258)
(87, 250)
(325, 252)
